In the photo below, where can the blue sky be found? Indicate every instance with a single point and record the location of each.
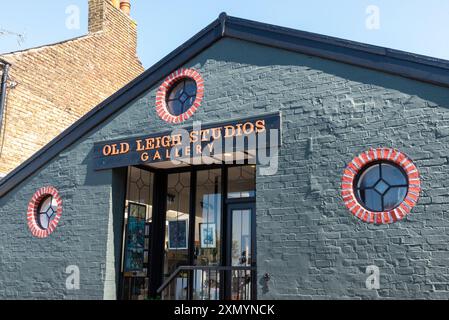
(419, 26)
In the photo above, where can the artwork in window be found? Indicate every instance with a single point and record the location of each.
(135, 239)
(208, 235)
(177, 234)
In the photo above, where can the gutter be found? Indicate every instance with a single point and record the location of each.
(6, 66)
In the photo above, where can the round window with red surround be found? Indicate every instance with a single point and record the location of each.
(44, 212)
(180, 95)
(380, 186)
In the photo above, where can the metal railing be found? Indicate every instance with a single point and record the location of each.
(209, 283)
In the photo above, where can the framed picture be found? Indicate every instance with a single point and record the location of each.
(208, 235)
(137, 210)
(177, 234)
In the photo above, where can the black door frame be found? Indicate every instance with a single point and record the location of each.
(155, 270)
(231, 205)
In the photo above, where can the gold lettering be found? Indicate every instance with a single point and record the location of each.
(149, 144)
(216, 133)
(165, 141)
(260, 126)
(187, 151)
(229, 131)
(205, 135)
(107, 150)
(115, 150)
(239, 129)
(156, 156)
(210, 146)
(139, 146)
(176, 140)
(144, 157)
(124, 147)
(158, 143)
(194, 136)
(247, 130)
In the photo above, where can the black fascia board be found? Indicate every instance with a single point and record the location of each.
(405, 64)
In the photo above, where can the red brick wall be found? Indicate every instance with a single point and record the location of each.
(57, 84)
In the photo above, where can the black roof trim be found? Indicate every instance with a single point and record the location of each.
(401, 63)
(387, 60)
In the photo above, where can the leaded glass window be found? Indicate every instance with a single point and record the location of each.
(47, 212)
(182, 96)
(382, 187)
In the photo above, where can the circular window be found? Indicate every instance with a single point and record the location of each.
(44, 212)
(180, 95)
(380, 186)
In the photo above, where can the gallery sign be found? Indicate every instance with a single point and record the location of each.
(199, 141)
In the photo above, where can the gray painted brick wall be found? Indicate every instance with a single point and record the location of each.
(306, 239)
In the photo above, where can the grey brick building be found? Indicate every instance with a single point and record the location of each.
(352, 206)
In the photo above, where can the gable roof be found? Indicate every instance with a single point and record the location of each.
(409, 65)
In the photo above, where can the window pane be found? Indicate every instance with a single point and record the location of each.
(208, 217)
(176, 233)
(176, 91)
(241, 237)
(242, 182)
(369, 177)
(45, 204)
(190, 88)
(137, 233)
(241, 253)
(394, 197)
(393, 175)
(44, 221)
(175, 107)
(371, 199)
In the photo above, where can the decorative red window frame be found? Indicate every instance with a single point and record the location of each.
(358, 164)
(161, 95)
(32, 214)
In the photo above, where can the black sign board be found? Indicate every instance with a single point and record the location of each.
(211, 140)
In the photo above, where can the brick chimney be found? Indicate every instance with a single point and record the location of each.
(111, 18)
(104, 12)
(116, 3)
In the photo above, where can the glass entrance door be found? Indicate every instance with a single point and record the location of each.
(176, 243)
(138, 219)
(241, 248)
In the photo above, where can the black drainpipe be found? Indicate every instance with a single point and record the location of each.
(6, 66)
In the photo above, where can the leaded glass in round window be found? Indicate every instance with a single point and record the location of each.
(381, 186)
(47, 211)
(182, 96)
